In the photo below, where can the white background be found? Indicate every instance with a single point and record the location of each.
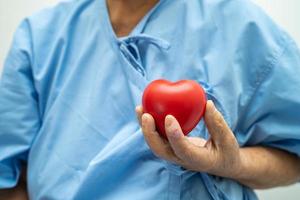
(284, 12)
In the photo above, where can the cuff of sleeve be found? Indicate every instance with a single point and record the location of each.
(8, 176)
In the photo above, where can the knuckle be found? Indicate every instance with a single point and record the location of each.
(230, 139)
(219, 120)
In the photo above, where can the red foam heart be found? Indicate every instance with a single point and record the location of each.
(185, 100)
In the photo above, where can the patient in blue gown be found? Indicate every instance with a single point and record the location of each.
(71, 89)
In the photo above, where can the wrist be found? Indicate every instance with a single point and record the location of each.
(239, 169)
(245, 173)
(243, 160)
(232, 168)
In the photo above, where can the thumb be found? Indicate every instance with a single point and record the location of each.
(216, 125)
(180, 144)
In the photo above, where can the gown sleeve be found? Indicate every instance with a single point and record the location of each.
(273, 117)
(19, 115)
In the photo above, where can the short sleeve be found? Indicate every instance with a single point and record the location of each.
(273, 114)
(19, 116)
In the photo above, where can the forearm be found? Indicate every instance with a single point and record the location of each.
(263, 167)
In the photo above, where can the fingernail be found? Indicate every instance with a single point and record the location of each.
(169, 121)
(144, 119)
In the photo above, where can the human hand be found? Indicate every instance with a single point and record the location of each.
(220, 155)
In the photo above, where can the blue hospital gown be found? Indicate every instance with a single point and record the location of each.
(69, 89)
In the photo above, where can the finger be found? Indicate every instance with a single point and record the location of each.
(139, 113)
(158, 145)
(216, 125)
(197, 141)
(182, 147)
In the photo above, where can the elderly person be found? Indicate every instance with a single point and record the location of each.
(76, 72)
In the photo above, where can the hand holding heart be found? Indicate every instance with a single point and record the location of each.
(220, 155)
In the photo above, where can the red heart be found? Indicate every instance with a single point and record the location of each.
(185, 100)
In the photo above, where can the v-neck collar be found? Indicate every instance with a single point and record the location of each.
(137, 79)
(138, 29)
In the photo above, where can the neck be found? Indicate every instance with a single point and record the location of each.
(125, 14)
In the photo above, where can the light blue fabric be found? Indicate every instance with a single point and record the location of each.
(70, 86)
